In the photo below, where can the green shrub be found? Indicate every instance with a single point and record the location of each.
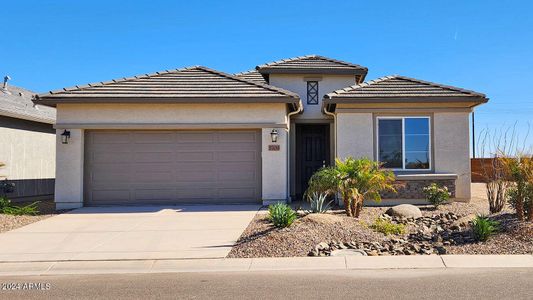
(512, 197)
(387, 227)
(318, 203)
(281, 215)
(4, 202)
(483, 228)
(7, 208)
(436, 195)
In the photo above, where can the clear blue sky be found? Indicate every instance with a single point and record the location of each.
(486, 46)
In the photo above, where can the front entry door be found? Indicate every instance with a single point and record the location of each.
(312, 153)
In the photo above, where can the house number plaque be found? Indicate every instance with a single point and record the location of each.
(273, 147)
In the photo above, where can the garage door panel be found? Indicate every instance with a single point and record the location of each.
(152, 148)
(111, 138)
(189, 193)
(195, 156)
(236, 156)
(153, 157)
(111, 195)
(150, 137)
(136, 167)
(155, 194)
(244, 177)
(236, 136)
(197, 176)
(111, 157)
(236, 193)
(195, 137)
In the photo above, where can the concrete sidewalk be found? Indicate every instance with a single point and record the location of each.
(265, 264)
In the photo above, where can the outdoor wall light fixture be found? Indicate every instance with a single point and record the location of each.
(274, 135)
(65, 136)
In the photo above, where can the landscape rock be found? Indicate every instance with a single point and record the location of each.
(404, 211)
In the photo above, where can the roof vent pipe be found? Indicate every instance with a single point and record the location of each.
(4, 87)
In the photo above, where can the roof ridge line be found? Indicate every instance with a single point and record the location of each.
(266, 86)
(310, 56)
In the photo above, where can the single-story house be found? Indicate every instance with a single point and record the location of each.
(197, 135)
(27, 148)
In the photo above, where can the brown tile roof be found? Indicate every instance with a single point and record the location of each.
(401, 88)
(191, 85)
(312, 64)
(252, 75)
(15, 102)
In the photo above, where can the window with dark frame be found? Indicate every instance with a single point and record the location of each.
(312, 92)
(404, 143)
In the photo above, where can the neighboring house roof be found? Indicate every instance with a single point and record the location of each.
(252, 75)
(312, 64)
(188, 85)
(15, 102)
(398, 88)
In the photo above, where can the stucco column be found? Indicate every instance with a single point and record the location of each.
(274, 167)
(69, 170)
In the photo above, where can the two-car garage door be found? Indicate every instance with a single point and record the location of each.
(167, 167)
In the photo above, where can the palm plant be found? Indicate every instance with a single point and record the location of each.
(355, 180)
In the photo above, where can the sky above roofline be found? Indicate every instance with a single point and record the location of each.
(483, 46)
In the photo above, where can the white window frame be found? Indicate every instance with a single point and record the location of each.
(430, 149)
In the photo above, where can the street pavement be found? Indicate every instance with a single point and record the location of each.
(483, 283)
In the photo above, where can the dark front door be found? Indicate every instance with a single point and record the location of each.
(312, 153)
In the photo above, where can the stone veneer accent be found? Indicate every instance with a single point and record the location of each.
(413, 189)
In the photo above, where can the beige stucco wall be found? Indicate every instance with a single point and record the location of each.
(450, 142)
(171, 113)
(69, 179)
(298, 83)
(29, 158)
(355, 135)
(27, 154)
(452, 149)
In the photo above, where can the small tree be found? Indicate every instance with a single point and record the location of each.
(355, 180)
(519, 170)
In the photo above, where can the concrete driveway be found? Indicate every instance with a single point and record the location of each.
(140, 232)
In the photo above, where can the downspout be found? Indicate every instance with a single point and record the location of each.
(288, 129)
(334, 115)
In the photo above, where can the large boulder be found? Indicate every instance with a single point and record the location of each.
(404, 210)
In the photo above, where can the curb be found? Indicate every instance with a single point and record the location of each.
(265, 264)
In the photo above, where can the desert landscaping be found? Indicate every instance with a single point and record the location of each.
(446, 230)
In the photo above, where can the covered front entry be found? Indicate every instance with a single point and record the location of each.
(312, 153)
(171, 167)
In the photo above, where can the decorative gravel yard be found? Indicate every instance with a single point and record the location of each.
(10, 222)
(445, 230)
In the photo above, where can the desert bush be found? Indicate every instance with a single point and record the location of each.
(281, 215)
(355, 180)
(6, 207)
(387, 227)
(519, 170)
(483, 228)
(436, 195)
(318, 203)
(512, 198)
